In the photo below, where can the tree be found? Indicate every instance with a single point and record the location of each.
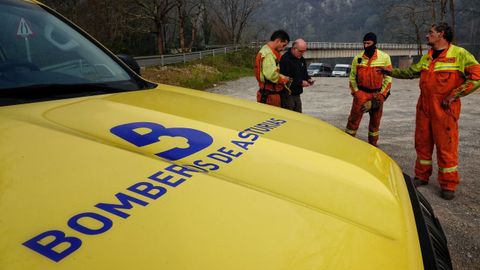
(234, 16)
(444, 5)
(103, 19)
(406, 16)
(418, 16)
(206, 22)
(452, 14)
(188, 11)
(468, 32)
(68, 8)
(156, 13)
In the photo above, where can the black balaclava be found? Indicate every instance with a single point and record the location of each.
(369, 51)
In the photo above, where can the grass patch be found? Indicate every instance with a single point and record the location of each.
(204, 73)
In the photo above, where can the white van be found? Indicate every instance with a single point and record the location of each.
(341, 70)
(319, 70)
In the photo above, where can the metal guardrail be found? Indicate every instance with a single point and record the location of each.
(167, 59)
(347, 45)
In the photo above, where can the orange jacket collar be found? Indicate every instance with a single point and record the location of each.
(275, 52)
(442, 55)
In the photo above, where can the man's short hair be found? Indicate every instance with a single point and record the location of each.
(281, 34)
(446, 29)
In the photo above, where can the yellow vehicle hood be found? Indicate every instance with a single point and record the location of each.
(173, 178)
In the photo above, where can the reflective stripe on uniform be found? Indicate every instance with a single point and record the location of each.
(424, 161)
(447, 68)
(351, 132)
(448, 170)
(373, 133)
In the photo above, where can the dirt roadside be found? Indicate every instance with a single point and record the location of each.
(329, 100)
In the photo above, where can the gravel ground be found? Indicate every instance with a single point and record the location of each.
(329, 99)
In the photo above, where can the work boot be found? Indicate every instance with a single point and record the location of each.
(417, 182)
(447, 194)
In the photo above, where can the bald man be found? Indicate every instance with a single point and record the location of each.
(293, 65)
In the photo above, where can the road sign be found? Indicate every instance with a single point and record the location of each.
(23, 29)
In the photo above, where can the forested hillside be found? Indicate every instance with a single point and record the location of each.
(169, 26)
(348, 20)
(327, 20)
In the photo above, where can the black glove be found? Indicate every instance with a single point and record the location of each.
(375, 104)
(384, 71)
(447, 101)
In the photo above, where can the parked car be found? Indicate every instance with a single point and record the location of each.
(102, 169)
(341, 70)
(319, 70)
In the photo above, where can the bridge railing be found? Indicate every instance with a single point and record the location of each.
(348, 45)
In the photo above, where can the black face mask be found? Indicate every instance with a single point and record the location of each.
(369, 51)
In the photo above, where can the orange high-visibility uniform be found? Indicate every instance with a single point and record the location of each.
(366, 84)
(267, 73)
(454, 73)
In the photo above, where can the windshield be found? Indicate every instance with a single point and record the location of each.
(313, 67)
(39, 51)
(341, 69)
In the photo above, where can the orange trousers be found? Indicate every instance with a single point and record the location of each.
(437, 126)
(274, 98)
(356, 115)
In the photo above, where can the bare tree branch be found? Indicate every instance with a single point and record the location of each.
(234, 15)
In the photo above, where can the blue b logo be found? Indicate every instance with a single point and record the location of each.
(197, 139)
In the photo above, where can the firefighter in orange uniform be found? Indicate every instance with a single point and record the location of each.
(267, 72)
(446, 73)
(369, 88)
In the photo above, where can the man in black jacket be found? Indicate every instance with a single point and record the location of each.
(293, 65)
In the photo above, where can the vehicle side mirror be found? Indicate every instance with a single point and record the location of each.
(130, 62)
